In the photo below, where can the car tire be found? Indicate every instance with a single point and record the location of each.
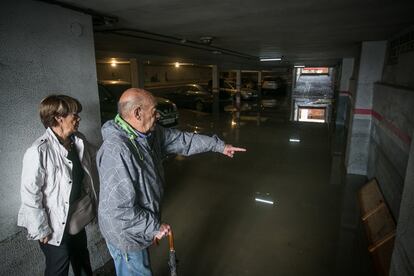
(199, 106)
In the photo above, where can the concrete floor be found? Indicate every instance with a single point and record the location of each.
(219, 228)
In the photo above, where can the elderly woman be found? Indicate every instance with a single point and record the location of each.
(57, 173)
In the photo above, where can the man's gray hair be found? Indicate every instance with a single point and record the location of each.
(125, 108)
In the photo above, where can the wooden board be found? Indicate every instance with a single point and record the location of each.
(379, 226)
(370, 197)
(382, 257)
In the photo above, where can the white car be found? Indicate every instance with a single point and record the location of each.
(270, 83)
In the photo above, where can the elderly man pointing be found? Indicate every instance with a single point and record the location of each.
(132, 178)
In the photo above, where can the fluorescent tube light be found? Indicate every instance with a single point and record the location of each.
(294, 140)
(270, 59)
(263, 200)
(299, 66)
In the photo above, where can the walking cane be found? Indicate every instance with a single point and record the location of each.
(172, 263)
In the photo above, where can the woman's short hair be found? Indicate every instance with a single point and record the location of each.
(57, 106)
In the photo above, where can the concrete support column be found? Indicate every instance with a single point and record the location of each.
(370, 71)
(298, 74)
(259, 84)
(294, 73)
(137, 73)
(238, 87)
(292, 90)
(344, 96)
(215, 88)
(402, 262)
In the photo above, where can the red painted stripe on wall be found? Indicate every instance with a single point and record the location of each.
(394, 129)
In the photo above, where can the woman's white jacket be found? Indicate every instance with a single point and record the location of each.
(47, 183)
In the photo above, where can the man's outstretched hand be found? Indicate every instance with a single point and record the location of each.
(229, 150)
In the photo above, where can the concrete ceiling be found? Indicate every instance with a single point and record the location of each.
(314, 32)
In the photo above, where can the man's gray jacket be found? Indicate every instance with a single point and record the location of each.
(132, 180)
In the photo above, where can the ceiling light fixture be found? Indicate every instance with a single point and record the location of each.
(299, 66)
(270, 59)
(263, 200)
(113, 62)
(177, 64)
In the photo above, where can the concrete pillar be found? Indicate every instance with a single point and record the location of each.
(137, 73)
(370, 71)
(238, 87)
(298, 74)
(294, 77)
(346, 73)
(344, 96)
(259, 84)
(215, 88)
(44, 49)
(292, 90)
(402, 263)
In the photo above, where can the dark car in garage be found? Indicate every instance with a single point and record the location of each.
(246, 93)
(191, 96)
(110, 91)
(229, 87)
(195, 96)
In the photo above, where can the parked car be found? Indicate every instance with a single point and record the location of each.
(273, 84)
(269, 83)
(191, 96)
(110, 91)
(195, 96)
(230, 88)
(168, 112)
(249, 83)
(245, 92)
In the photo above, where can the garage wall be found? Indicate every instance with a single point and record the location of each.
(165, 74)
(160, 74)
(402, 263)
(393, 153)
(44, 49)
(121, 72)
(402, 72)
(384, 145)
(392, 126)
